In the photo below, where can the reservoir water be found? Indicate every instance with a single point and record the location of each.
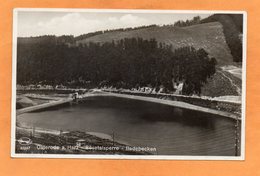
(172, 131)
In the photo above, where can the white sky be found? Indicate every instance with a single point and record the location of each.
(76, 23)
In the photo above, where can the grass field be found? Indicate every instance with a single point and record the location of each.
(208, 36)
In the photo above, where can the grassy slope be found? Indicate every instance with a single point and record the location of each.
(222, 83)
(208, 36)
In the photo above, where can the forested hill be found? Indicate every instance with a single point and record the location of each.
(218, 34)
(128, 63)
(208, 36)
(155, 56)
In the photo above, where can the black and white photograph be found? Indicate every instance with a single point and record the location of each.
(128, 84)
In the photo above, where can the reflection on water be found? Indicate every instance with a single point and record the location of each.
(173, 131)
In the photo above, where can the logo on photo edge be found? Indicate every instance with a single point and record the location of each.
(24, 141)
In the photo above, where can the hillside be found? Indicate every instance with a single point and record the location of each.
(233, 31)
(222, 83)
(208, 36)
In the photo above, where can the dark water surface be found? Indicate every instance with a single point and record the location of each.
(172, 131)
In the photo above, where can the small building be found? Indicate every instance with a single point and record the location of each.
(178, 87)
(80, 142)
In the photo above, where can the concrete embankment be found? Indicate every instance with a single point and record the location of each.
(178, 104)
(43, 106)
(217, 104)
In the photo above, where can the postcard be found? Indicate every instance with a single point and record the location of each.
(128, 84)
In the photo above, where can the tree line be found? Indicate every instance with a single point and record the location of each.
(193, 21)
(127, 63)
(91, 34)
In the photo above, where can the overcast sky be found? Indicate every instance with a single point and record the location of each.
(77, 23)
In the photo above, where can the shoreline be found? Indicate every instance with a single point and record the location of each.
(178, 104)
(173, 100)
